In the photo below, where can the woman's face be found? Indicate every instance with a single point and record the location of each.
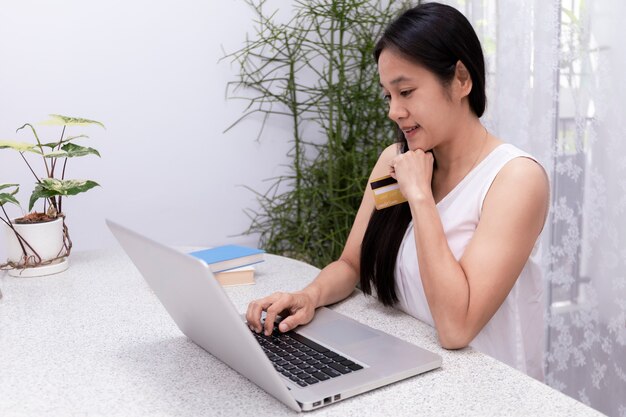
(421, 106)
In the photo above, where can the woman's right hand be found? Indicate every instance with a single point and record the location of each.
(334, 283)
(296, 308)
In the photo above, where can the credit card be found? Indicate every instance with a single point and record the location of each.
(386, 192)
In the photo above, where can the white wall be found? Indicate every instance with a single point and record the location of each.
(149, 71)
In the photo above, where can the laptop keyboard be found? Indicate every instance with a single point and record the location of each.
(302, 360)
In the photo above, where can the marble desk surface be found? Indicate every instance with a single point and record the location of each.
(95, 341)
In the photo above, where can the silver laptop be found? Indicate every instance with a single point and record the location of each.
(328, 360)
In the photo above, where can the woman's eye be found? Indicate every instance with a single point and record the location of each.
(387, 97)
(406, 93)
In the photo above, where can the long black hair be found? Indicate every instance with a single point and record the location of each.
(436, 37)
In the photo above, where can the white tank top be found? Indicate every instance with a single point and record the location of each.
(515, 333)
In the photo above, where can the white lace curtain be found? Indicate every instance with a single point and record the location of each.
(557, 89)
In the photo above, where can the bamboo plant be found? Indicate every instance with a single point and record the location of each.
(316, 71)
(51, 187)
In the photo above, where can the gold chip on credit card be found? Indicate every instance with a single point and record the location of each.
(386, 192)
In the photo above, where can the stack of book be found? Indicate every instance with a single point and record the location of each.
(231, 264)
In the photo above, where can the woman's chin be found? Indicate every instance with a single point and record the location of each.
(415, 145)
(413, 140)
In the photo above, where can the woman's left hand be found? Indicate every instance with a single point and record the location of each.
(414, 172)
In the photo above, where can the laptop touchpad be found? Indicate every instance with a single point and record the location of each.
(340, 332)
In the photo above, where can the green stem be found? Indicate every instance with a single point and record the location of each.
(332, 96)
(293, 107)
(58, 147)
(338, 138)
(59, 202)
(60, 208)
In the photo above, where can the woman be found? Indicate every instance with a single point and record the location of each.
(460, 254)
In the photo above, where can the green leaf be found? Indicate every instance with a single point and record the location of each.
(69, 150)
(8, 197)
(3, 186)
(53, 145)
(58, 120)
(19, 146)
(56, 154)
(51, 187)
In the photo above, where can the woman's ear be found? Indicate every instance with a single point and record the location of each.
(462, 80)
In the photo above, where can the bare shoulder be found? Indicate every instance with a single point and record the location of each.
(384, 160)
(390, 151)
(352, 250)
(521, 186)
(525, 173)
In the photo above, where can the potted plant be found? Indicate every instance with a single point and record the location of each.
(38, 243)
(317, 72)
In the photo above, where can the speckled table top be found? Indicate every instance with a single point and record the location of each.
(94, 340)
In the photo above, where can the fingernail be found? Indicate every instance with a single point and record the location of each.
(283, 327)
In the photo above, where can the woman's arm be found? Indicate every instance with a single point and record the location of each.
(335, 282)
(464, 295)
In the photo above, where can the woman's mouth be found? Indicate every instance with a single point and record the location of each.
(408, 131)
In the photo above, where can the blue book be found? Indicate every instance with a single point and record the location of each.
(223, 258)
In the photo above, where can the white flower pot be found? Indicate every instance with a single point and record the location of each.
(45, 238)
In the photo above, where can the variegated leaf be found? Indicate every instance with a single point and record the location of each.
(53, 145)
(56, 154)
(8, 197)
(59, 120)
(19, 146)
(77, 150)
(51, 187)
(17, 187)
(69, 150)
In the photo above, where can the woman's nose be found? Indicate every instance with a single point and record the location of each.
(396, 111)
